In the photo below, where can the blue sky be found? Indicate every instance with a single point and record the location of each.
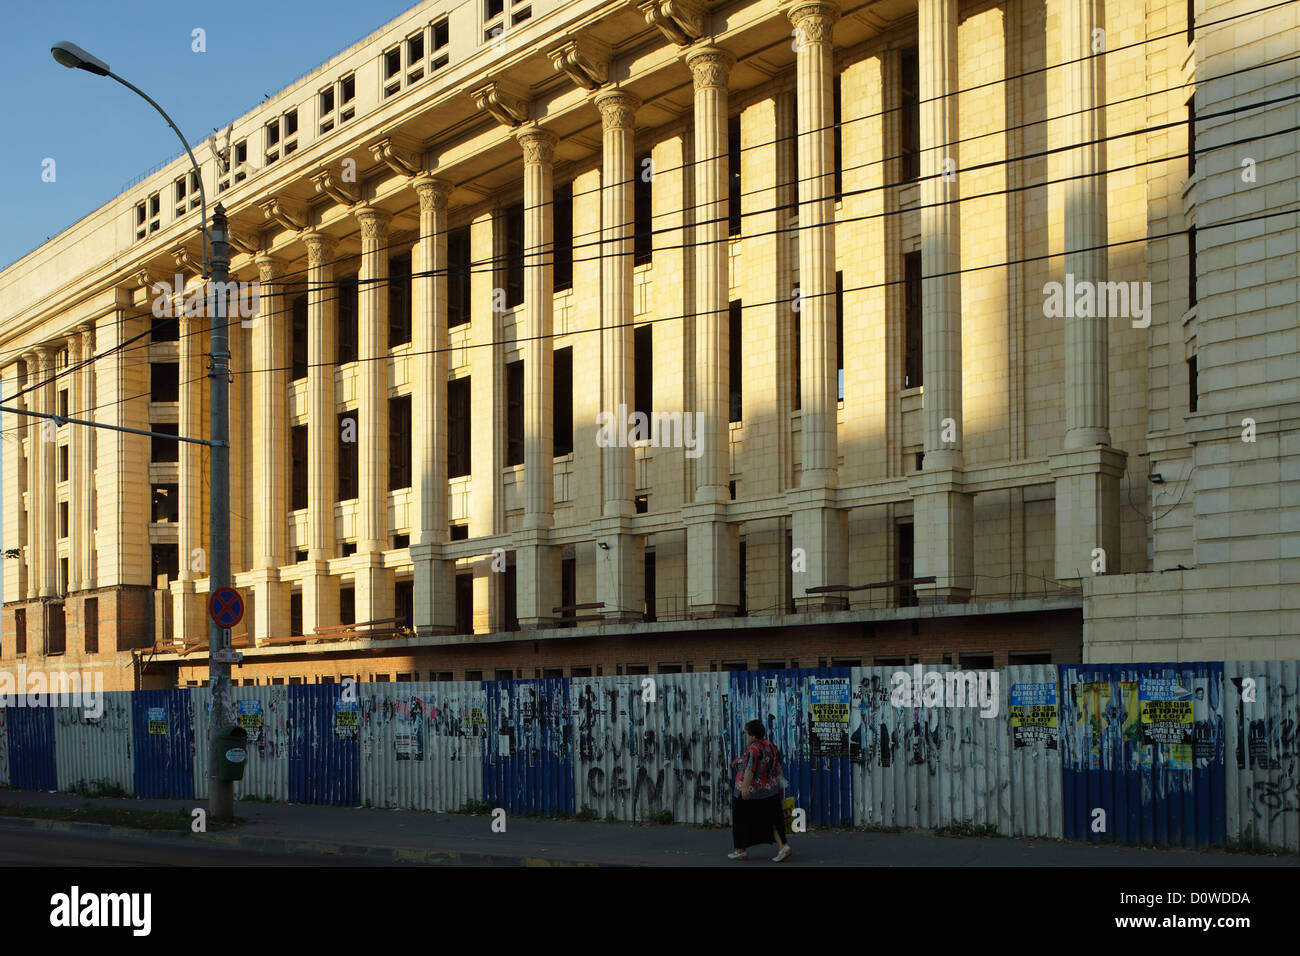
(100, 134)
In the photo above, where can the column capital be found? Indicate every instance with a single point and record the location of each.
(44, 357)
(815, 19)
(617, 108)
(538, 144)
(374, 222)
(711, 67)
(320, 248)
(433, 193)
(269, 267)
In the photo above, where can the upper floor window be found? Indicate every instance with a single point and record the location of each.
(237, 160)
(281, 136)
(148, 216)
(186, 194)
(496, 18)
(338, 103)
(416, 57)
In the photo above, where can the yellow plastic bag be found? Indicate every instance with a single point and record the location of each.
(787, 808)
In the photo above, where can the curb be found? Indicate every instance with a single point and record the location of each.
(284, 845)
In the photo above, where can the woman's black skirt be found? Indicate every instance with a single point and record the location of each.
(753, 821)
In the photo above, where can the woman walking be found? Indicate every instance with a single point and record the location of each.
(756, 815)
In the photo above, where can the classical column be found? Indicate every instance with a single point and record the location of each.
(270, 454)
(32, 402)
(15, 425)
(712, 543)
(77, 529)
(435, 579)
(189, 615)
(1088, 471)
(819, 528)
(620, 552)
(374, 585)
(943, 516)
(537, 578)
(46, 489)
(85, 487)
(320, 591)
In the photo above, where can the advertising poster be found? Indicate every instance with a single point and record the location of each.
(828, 716)
(346, 719)
(1167, 719)
(250, 718)
(158, 721)
(1033, 714)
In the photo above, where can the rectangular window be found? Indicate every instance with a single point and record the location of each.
(164, 563)
(838, 127)
(20, 631)
(325, 102)
(562, 401)
(348, 329)
(1191, 136)
(458, 422)
(164, 449)
(347, 605)
(299, 337)
(909, 116)
(164, 382)
(56, 642)
(510, 594)
(514, 264)
(349, 473)
(839, 333)
(392, 71)
(399, 300)
(735, 342)
(404, 603)
(166, 503)
(298, 442)
(465, 606)
(295, 614)
(90, 624)
(415, 58)
(794, 150)
(643, 383)
(797, 352)
(514, 413)
(1191, 267)
(733, 176)
(562, 238)
(906, 564)
(347, 98)
(912, 326)
(458, 276)
(460, 532)
(399, 442)
(569, 589)
(63, 462)
(240, 161)
(63, 517)
(743, 611)
(642, 203)
(441, 44)
(1192, 387)
(650, 580)
(165, 330)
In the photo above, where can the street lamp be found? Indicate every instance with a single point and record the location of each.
(216, 265)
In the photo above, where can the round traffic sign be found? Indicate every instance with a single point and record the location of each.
(226, 607)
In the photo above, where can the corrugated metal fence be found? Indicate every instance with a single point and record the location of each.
(1183, 754)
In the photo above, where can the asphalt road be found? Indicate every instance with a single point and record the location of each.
(44, 848)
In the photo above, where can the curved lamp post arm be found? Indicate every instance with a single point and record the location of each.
(198, 174)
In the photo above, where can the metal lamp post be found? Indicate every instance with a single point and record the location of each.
(216, 266)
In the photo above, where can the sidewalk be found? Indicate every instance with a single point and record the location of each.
(453, 839)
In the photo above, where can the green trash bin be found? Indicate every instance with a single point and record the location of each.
(232, 752)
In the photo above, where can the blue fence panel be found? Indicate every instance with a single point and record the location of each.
(31, 748)
(782, 700)
(162, 733)
(528, 758)
(323, 749)
(1162, 793)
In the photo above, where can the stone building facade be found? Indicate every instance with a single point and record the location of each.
(813, 243)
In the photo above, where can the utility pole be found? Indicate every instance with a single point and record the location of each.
(221, 793)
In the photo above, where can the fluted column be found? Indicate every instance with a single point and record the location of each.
(435, 579)
(77, 530)
(189, 616)
(712, 543)
(270, 453)
(537, 579)
(1088, 470)
(819, 528)
(320, 591)
(374, 588)
(85, 486)
(619, 562)
(942, 510)
(47, 446)
(35, 430)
